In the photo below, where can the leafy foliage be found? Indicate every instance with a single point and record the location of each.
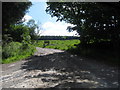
(93, 21)
(14, 51)
(21, 36)
(17, 36)
(22, 33)
(13, 12)
(11, 49)
(33, 29)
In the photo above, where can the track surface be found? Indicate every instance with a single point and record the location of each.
(60, 69)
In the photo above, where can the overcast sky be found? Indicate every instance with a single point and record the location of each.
(49, 26)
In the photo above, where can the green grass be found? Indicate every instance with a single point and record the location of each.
(59, 44)
(68, 45)
(14, 51)
(16, 58)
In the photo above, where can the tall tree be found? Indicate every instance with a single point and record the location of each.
(94, 21)
(17, 32)
(12, 12)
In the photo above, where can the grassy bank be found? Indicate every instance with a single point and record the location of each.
(15, 51)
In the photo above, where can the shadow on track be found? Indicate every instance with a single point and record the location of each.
(67, 71)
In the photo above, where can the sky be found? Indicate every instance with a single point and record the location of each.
(48, 25)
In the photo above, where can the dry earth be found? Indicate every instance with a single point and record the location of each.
(59, 69)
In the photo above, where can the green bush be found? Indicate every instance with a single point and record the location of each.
(28, 50)
(11, 49)
(16, 51)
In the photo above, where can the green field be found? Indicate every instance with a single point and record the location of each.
(58, 44)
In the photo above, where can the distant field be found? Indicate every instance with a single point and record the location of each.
(58, 44)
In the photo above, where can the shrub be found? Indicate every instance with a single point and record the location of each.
(15, 51)
(28, 50)
(11, 49)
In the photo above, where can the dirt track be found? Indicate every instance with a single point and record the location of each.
(56, 68)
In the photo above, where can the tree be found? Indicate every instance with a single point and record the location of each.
(19, 32)
(12, 12)
(93, 21)
(33, 29)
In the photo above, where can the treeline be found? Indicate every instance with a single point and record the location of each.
(58, 37)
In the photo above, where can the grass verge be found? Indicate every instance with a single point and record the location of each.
(16, 58)
(14, 51)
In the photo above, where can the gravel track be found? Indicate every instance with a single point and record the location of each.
(59, 69)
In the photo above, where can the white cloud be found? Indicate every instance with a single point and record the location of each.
(26, 18)
(56, 28)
